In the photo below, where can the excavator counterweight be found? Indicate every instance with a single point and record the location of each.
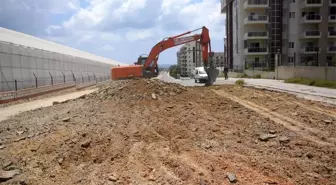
(148, 64)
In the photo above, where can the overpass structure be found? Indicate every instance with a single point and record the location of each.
(30, 62)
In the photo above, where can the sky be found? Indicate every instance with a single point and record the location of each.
(117, 29)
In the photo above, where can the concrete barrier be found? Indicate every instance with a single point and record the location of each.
(311, 72)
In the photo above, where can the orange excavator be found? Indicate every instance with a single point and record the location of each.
(147, 67)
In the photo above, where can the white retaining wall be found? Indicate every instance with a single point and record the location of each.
(21, 63)
(311, 72)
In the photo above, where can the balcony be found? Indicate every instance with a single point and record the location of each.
(332, 34)
(256, 19)
(255, 4)
(332, 18)
(313, 34)
(223, 5)
(310, 50)
(255, 64)
(256, 51)
(256, 35)
(311, 3)
(311, 18)
(332, 2)
(332, 49)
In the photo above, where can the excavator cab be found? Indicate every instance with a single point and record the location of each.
(147, 72)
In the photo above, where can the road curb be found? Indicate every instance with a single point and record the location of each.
(172, 77)
(290, 91)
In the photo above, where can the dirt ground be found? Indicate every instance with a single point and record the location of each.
(150, 132)
(48, 95)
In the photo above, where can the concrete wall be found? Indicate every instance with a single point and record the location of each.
(19, 63)
(320, 73)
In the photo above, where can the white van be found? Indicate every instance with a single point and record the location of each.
(200, 75)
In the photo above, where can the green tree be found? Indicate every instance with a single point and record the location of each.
(174, 70)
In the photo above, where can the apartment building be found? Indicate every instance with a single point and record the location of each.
(189, 57)
(266, 33)
(218, 59)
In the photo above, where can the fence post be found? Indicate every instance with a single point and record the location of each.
(73, 77)
(52, 80)
(89, 77)
(82, 78)
(94, 76)
(63, 77)
(15, 83)
(35, 80)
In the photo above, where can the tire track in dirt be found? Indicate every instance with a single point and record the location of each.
(307, 107)
(281, 119)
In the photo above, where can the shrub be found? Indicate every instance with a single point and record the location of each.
(310, 82)
(257, 76)
(240, 82)
(243, 75)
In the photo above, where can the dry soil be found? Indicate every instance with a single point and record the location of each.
(151, 132)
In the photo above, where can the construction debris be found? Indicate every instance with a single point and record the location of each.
(66, 119)
(284, 139)
(6, 175)
(86, 143)
(266, 137)
(232, 177)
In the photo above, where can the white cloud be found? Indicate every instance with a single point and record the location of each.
(53, 28)
(143, 19)
(120, 29)
(107, 47)
(72, 6)
(87, 38)
(140, 34)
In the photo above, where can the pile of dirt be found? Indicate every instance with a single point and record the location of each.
(139, 89)
(151, 132)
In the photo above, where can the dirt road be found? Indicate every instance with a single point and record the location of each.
(8, 111)
(150, 132)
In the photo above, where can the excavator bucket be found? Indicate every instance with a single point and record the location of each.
(212, 75)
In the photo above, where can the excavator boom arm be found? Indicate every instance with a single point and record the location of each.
(176, 41)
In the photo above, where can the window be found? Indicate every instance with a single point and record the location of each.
(291, 14)
(329, 58)
(292, 1)
(290, 44)
(290, 60)
(284, 26)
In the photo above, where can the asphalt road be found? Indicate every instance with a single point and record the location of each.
(308, 92)
(190, 82)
